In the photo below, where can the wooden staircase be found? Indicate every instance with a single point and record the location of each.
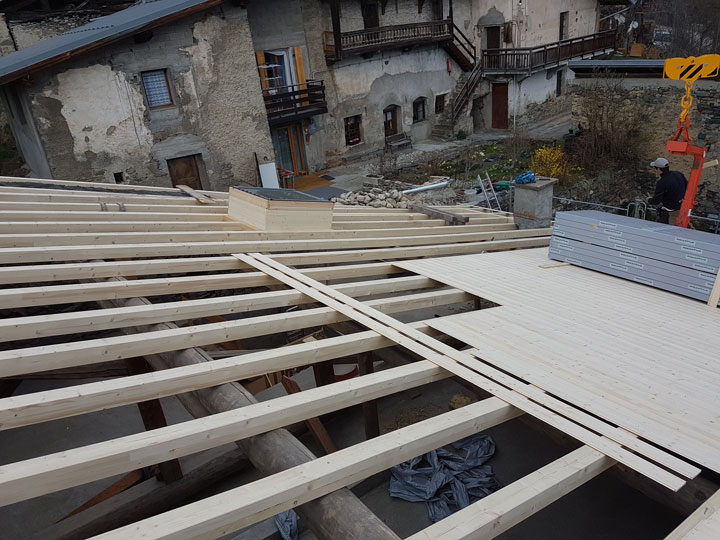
(462, 51)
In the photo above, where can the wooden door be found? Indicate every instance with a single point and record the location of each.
(290, 148)
(437, 9)
(390, 117)
(371, 17)
(185, 171)
(500, 106)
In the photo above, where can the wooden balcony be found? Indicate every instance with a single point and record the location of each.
(291, 103)
(529, 59)
(388, 37)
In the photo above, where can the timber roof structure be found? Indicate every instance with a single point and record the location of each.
(97, 276)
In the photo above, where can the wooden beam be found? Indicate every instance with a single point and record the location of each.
(94, 238)
(51, 184)
(64, 355)
(253, 502)
(13, 329)
(148, 498)
(126, 482)
(55, 272)
(70, 208)
(54, 472)
(153, 417)
(448, 217)
(370, 409)
(59, 294)
(322, 437)
(62, 196)
(199, 196)
(492, 515)
(63, 402)
(46, 215)
(703, 524)
(33, 227)
(109, 251)
(459, 363)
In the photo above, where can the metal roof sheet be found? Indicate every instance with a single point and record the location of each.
(122, 23)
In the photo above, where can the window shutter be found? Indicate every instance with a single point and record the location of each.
(260, 59)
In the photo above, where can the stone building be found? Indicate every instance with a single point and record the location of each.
(202, 92)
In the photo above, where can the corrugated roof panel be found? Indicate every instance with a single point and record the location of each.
(118, 24)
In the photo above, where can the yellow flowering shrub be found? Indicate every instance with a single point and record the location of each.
(551, 161)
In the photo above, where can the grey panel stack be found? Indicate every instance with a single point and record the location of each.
(682, 261)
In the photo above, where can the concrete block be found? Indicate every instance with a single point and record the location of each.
(533, 204)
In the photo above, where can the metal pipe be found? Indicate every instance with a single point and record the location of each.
(428, 188)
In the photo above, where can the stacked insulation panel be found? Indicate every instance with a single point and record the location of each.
(683, 261)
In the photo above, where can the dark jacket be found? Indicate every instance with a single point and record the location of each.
(670, 190)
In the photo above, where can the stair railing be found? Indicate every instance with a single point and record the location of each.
(463, 96)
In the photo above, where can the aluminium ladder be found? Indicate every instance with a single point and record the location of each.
(488, 191)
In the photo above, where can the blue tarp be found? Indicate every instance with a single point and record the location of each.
(444, 479)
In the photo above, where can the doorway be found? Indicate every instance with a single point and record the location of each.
(500, 106)
(290, 148)
(390, 117)
(492, 34)
(370, 14)
(564, 19)
(185, 171)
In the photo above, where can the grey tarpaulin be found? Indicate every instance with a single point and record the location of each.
(286, 522)
(442, 478)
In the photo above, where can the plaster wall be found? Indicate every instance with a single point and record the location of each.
(535, 22)
(22, 125)
(366, 87)
(399, 12)
(93, 118)
(267, 34)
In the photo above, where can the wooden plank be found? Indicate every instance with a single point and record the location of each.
(318, 431)
(702, 524)
(109, 251)
(457, 362)
(37, 407)
(448, 217)
(253, 502)
(714, 297)
(91, 351)
(197, 195)
(492, 515)
(46, 474)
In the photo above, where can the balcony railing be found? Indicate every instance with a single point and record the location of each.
(294, 102)
(533, 58)
(387, 37)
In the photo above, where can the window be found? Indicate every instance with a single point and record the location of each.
(352, 130)
(439, 103)
(419, 110)
(157, 88)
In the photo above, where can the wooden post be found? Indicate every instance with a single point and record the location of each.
(337, 515)
(370, 410)
(154, 418)
(337, 38)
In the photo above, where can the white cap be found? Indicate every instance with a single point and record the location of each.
(660, 163)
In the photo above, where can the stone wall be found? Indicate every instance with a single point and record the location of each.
(660, 99)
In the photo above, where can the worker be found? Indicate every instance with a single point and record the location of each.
(669, 191)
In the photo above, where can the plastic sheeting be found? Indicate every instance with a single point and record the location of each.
(287, 524)
(444, 479)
